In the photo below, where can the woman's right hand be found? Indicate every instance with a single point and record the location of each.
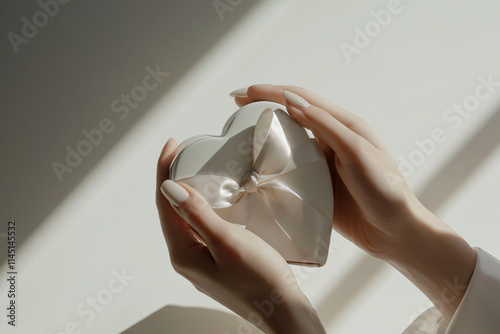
(372, 199)
(374, 205)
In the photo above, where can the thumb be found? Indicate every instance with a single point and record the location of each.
(195, 210)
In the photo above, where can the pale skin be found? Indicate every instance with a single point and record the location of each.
(373, 207)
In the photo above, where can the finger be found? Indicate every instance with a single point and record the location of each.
(350, 120)
(260, 92)
(242, 101)
(274, 93)
(201, 217)
(329, 153)
(302, 120)
(178, 234)
(165, 159)
(265, 92)
(345, 142)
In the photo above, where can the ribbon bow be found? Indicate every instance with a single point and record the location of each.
(271, 200)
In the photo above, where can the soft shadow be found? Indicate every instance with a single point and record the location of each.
(65, 78)
(191, 320)
(352, 285)
(433, 195)
(465, 162)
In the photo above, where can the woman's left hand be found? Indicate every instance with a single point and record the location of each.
(228, 263)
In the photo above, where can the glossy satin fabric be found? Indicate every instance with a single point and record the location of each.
(263, 198)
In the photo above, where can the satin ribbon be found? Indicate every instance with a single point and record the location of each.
(263, 197)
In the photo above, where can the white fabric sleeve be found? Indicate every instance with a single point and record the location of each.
(479, 311)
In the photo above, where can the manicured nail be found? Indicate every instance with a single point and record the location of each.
(295, 100)
(242, 92)
(295, 113)
(175, 193)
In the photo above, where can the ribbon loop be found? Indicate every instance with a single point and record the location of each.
(271, 151)
(284, 214)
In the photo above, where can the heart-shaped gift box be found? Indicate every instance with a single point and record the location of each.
(268, 175)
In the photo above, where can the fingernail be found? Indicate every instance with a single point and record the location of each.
(242, 92)
(297, 113)
(175, 193)
(295, 100)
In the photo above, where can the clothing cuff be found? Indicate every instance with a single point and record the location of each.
(479, 311)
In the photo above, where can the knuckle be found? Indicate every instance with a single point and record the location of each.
(355, 122)
(196, 205)
(193, 217)
(358, 145)
(182, 270)
(180, 264)
(178, 268)
(361, 122)
(357, 151)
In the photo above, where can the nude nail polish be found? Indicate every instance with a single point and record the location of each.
(175, 193)
(295, 100)
(242, 92)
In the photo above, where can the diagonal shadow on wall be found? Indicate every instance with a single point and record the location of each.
(64, 78)
(190, 320)
(433, 195)
(172, 319)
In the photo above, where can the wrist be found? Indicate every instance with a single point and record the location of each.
(435, 258)
(292, 314)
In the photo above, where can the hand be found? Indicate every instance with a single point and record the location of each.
(374, 205)
(228, 263)
(371, 196)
